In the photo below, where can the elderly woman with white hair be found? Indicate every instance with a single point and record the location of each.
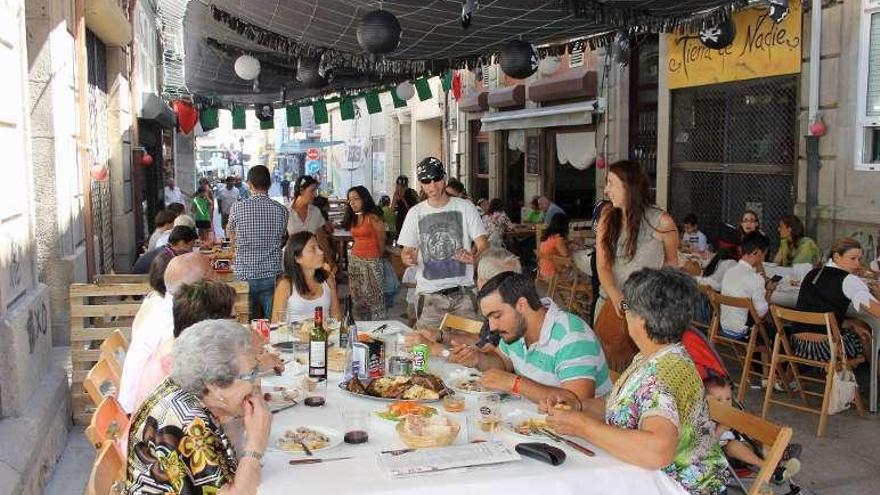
(656, 416)
(176, 443)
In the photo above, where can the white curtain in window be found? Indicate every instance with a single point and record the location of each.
(516, 140)
(576, 148)
(873, 90)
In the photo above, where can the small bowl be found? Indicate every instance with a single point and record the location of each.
(453, 403)
(424, 442)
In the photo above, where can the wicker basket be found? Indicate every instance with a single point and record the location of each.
(423, 442)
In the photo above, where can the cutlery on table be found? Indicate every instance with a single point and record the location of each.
(576, 446)
(307, 451)
(295, 462)
(284, 407)
(380, 328)
(397, 452)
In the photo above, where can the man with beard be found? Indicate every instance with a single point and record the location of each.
(542, 348)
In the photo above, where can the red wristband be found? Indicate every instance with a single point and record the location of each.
(517, 383)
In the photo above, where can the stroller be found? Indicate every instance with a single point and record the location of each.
(708, 362)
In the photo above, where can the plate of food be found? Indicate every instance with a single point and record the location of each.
(397, 411)
(419, 432)
(281, 396)
(416, 387)
(527, 423)
(313, 438)
(471, 385)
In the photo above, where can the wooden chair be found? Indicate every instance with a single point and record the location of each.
(113, 349)
(782, 353)
(108, 473)
(773, 437)
(101, 381)
(742, 352)
(707, 292)
(452, 322)
(570, 288)
(108, 423)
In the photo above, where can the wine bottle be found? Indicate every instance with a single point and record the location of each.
(318, 347)
(347, 322)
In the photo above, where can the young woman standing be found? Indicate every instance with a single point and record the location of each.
(365, 271)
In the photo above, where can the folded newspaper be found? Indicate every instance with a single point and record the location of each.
(410, 462)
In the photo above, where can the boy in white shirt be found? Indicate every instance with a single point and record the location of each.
(693, 240)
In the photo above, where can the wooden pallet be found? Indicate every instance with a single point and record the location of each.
(96, 310)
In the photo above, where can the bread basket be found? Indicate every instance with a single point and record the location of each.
(423, 442)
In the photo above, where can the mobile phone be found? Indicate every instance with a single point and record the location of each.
(775, 278)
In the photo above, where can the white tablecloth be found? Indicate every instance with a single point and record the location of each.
(361, 475)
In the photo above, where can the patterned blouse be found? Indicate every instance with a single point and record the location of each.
(667, 385)
(497, 224)
(176, 446)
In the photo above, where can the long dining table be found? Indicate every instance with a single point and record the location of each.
(362, 475)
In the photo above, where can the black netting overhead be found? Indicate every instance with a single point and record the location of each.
(278, 32)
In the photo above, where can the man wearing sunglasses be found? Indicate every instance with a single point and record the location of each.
(442, 236)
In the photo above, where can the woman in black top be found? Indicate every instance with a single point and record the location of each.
(404, 199)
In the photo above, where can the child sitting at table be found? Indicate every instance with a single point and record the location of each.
(693, 240)
(552, 244)
(743, 454)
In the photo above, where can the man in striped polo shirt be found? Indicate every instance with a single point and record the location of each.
(542, 349)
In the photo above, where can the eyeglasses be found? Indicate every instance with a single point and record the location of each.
(430, 181)
(250, 376)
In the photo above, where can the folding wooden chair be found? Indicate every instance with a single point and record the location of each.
(739, 351)
(108, 473)
(113, 349)
(773, 437)
(782, 352)
(101, 381)
(452, 322)
(108, 423)
(570, 288)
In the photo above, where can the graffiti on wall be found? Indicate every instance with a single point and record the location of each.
(870, 241)
(37, 324)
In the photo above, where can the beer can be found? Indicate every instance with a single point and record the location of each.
(261, 326)
(420, 358)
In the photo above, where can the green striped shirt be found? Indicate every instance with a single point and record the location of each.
(566, 350)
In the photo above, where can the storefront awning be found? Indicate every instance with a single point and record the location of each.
(580, 113)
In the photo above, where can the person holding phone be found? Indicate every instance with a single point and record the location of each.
(744, 280)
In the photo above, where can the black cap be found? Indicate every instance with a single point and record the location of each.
(430, 169)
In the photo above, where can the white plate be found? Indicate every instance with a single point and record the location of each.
(512, 418)
(335, 437)
(456, 386)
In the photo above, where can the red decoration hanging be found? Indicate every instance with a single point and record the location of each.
(187, 116)
(600, 162)
(817, 128)
(98, 172)
(456, 85)
(147, 160)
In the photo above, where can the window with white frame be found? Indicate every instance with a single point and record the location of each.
(868, 139)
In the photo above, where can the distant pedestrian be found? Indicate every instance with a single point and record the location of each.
(227, 197)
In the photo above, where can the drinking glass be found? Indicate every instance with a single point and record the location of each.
(357, 426)
(490, 405)
(481, 428)
(316, 392)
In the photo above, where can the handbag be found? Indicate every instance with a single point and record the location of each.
(843, 383)
(617, 345)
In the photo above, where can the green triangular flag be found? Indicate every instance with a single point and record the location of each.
(319, 108)
(423, 89)
(238, 117)
(267, 124)
(398, 101)
(373, 103)
(293, 118)
(447, 81)
(208, 118)
(346, 108)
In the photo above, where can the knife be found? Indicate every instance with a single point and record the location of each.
(295, 462)
(576, 446)
(284, 407)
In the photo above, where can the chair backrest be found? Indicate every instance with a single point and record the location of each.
(719, 300)
(108, 472)
(452, 322)
(101, 381)
(108, 423)
(828, 320)
(113, 349)
(772, 436)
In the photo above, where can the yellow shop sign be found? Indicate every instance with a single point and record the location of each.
(761, 48)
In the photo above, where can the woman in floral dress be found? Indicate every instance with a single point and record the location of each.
(656, 416)
(177, 443)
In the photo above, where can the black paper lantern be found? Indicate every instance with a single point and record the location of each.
(519, 59)
(379, 32)
(308, 72)
(719, 36)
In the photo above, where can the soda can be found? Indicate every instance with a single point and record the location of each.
(261, 326)
(375, 358)
(420, 358)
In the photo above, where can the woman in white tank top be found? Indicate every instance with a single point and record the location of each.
(312, 284)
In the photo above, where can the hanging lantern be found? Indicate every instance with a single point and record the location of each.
(549, 65)
(817, 127)
(98, 172)
(519, 59)
(719, 36)
(468, 7)
(147, 160)
(600, 162)
(405, 90)
(379, 32)
(247, 67)
(308, 72)
(187, 116)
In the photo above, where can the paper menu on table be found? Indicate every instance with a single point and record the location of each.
(410, 463)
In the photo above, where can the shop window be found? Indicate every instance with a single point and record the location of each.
(868, 140)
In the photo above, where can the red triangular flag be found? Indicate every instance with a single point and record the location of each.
(456, 85)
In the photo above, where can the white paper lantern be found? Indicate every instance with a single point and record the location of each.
(548, 65)
(405, 90)
(247, 67)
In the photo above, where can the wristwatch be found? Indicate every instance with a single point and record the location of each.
(253, 453)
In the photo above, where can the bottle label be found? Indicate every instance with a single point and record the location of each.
(317, 354)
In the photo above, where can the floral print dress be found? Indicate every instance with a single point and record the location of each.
(666, 384)
(176, 446)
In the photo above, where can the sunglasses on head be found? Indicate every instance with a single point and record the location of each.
(430, 181)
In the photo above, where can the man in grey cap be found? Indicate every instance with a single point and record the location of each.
(437, 237)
